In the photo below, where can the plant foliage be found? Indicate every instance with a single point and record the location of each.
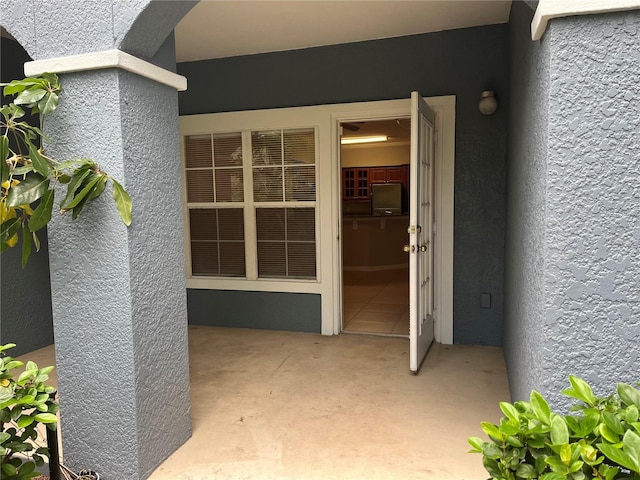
(600, 439)
(29, 178)
(25, 403)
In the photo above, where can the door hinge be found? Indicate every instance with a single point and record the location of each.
(414, 229)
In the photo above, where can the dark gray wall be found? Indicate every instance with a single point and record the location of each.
(574, 204)
(295, 312)
(461, 62)
(526, 190)
(25, 295)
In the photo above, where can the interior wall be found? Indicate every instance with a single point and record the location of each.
(460, 62)
(371, 156)
(25, 294)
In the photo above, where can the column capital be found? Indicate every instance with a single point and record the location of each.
(106, 59)
(550, 9)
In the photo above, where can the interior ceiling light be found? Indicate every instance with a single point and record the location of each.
(367, 139)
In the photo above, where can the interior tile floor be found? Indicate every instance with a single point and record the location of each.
(270, 405)
(376, 302)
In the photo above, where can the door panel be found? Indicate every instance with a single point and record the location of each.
(421, 231)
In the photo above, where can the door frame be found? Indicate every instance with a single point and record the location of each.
(444, 107)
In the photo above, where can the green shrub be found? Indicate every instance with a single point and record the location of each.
(25, 403)
(598, 440)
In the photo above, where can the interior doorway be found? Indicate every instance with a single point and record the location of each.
(374, 172)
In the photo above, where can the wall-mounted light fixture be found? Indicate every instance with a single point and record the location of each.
(488, 103)
(367, 139)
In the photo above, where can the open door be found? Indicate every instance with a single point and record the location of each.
(421, 231)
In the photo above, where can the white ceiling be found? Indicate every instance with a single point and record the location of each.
(223, 28)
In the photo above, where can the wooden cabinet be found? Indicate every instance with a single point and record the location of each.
(355, 183)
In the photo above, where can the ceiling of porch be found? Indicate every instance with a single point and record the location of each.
(218, 29)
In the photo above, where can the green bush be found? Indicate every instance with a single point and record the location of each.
(25, 403)
(598, 440)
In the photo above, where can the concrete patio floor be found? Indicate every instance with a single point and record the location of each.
(272, 405)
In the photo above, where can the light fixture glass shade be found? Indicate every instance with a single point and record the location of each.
(369, 139)
(488, 103)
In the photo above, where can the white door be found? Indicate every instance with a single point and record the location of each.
(421, 231)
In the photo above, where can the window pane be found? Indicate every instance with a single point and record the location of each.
(301, 224)
(300, 184)
(203, 224)
(217, 241)
(300, 146)
(270, 223)
(227, 150)
(198, 151)
(266, 147)
(267, 184)
(286, 242)
(199, 186)
(229, 186)
(231, 224)
(204, 258)
(302, 260)
(272, 260)
(232, 259)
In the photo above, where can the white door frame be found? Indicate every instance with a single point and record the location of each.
(444, 188)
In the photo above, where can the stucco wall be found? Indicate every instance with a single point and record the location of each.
(526, 190)
(592, 304)
(25, 295)
(460, 62)
(573, 228)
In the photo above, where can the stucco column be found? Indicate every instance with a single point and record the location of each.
(119, 294)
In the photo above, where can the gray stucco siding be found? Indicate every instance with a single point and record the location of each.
(460, 62)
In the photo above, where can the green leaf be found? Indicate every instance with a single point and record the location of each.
(48, 104)
(46, 418)
(76, 180)
(123, 202)
(559, 431)
(26, 244)
(526, 471)
(26, 469)
(540, 407)
(36, 241)
(87, 186)
(9, 228)
(608, 434)
(16, 86)
(553, 476)
(631, 445)
(509, 410)
(477, 443)
(628, 394)
(4, 153)
(580, 390)
(28, 191)
(29, 96)
(9, 469)
(613, 422)
(99, 187)
(40, 164)
(42, 215)
(616, 455)
(25, 421)
(491, 430)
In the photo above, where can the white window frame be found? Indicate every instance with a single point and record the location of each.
(326, 119)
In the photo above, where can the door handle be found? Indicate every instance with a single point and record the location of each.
(409, 249)
(423, 247)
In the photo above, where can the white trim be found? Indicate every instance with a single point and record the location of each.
(106, 59)
(326, 119)
(445, 108)
(549, 9)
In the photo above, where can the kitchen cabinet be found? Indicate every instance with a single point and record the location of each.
(355, 183)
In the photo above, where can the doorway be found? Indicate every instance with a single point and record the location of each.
(374, 173)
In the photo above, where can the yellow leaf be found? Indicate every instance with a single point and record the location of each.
(4, 382)
(6, 213)
(13, 241)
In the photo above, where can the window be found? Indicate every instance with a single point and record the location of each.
(251, 198)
